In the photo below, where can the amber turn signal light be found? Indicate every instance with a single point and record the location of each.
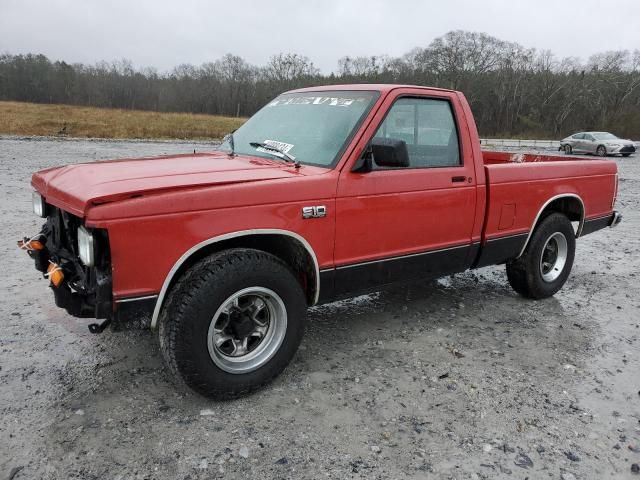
(55, 274)
(30, 244)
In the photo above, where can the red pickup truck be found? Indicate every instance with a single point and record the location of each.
(326, 192)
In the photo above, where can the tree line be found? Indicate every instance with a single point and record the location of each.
(513, 90)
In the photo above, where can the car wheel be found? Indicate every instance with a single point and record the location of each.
(232, 323)
(567, 149)
(546, 263)
(601, 151)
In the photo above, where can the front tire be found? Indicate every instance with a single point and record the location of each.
(232, 323)
(567, 149)
(601, 151)
(546, 263)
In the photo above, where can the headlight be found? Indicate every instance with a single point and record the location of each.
(86, 247)
(38, 204)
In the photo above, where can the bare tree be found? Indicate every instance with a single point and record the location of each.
(288, 67)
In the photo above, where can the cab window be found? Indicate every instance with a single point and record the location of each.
(428, 128)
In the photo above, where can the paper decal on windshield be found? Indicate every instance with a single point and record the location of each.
(282, 146)
(331, 101)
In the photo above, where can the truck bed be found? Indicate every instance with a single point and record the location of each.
(491, 157)
(520, 185)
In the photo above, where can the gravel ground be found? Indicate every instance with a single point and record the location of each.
(453, 379)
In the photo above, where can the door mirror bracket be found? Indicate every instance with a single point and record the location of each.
(364, 164)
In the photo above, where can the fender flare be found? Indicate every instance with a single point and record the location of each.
(242, 233)
(545, 205)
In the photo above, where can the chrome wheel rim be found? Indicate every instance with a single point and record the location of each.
(247, 330)
(554, 257)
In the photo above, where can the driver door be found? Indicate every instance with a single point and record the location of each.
(412, 222)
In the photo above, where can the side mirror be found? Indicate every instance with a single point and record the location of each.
(389, 152)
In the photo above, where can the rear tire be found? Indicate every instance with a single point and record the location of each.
(546, 263)
(601, 151)
(232, 323)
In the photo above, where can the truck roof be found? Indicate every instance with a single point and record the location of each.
(381, 87)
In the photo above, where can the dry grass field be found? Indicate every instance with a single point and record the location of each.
(18, 118)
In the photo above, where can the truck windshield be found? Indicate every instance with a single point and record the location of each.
(312, 127)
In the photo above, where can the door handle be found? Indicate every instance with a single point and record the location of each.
(460, 178)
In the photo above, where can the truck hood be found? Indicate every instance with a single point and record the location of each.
(75, 188)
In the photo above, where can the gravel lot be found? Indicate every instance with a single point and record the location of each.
(454, 379)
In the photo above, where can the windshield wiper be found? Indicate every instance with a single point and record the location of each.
(276, 152)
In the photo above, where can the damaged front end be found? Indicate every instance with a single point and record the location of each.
(76, 261)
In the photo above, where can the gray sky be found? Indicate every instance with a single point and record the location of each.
(165, 33)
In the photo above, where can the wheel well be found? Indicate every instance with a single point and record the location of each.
(288, 249)
(570, 205)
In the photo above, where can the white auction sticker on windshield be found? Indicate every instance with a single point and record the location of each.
(281, 146)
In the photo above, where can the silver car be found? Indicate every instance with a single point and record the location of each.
(598, 143)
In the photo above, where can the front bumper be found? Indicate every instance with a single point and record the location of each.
(621, 149)
(85, 292)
